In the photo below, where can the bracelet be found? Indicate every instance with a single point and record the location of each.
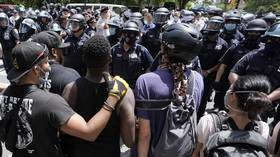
(109, 106)
(107, 109)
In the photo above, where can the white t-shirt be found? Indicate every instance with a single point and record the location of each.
(100, 28)
(205, 129)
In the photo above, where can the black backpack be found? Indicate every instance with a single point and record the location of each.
(231, 142)
(179, 131)
(15, 130)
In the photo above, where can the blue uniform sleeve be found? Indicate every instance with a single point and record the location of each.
(148, 59)
(240, 67)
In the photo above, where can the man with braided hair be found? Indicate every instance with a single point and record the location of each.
(180, 44)
(86, 96)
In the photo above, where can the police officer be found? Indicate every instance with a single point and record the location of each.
(8, 38)
(231, 33)
(27, 29)
(212, 50)
(264, 61)
(62, 20)
(130, 59)
(115, 32)
(73, 57)
(44, 19)
(55, 27)
(151, 38)
(22, 16)
(270, 18)
(253, 32)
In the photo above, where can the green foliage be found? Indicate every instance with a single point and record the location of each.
(263, 6)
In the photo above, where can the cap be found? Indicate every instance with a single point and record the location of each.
(51, 39)
(24, 57)
(103, 9)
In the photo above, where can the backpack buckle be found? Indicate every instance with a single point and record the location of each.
(225, 127)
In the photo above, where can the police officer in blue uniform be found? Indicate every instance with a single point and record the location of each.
(253, 32)
(266, 62)
(151, 38)
(212, 50)
(129, 59)
(73, 56)
(9, 37)
(231, 33)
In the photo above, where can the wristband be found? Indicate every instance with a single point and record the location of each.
(109, 106)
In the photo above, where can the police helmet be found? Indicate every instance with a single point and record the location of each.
(136, 16)
(233, 16)
(114, 26)
(27, 24)
(256, 25)
(55, 27)
(44, 14)
(4, 20)
(161, 15)
(273, 31)
(270, 18)
(215, 24)
(79, 19)
(32, 15)
(247, 17)
(131, 26)
(185, 41)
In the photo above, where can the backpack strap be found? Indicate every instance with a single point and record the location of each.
(220, 121)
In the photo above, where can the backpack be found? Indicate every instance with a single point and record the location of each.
(179, 131)
(15, 130)
(228, 142)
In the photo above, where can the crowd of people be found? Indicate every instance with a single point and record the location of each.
(85, 82)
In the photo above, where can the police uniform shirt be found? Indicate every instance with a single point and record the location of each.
(211, 53)
(260, 62)
(151, 41)
(234, 55)
(73, 57)
(229, 38)
(131, 64)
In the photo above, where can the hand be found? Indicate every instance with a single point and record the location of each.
(205, 73)
(117, 87)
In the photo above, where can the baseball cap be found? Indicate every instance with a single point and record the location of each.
(51, 39)
(24, 57)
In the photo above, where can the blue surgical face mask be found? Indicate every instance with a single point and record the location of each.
(230, 27)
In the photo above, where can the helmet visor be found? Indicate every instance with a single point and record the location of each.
(160, 18)
(73, 25)
(213, 26)
(3, 22)
(24, 28)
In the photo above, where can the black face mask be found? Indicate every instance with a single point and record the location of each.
(130, 38)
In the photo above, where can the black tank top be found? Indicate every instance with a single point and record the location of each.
(90, 99)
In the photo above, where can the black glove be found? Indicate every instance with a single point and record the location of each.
(116, 86)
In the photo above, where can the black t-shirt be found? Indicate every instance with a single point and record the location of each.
(90, 99)
(47, 113)
(60, 76)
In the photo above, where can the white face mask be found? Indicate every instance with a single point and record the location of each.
(45, 82)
